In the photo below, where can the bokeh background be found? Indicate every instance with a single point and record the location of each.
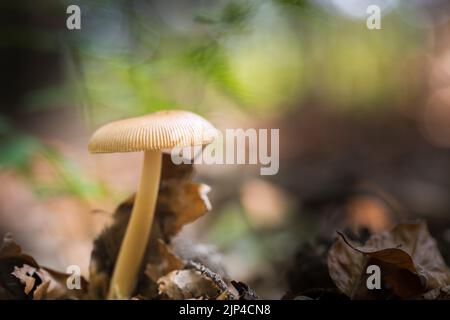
(364, 119)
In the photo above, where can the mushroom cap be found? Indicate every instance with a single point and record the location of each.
(155, 131)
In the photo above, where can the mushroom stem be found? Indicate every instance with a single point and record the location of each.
(138, 231)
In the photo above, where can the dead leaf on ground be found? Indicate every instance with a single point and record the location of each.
(407, 255)
(169, 262)
(173, 262)
(22, 278)
(11, 256)
(44, 283)
(180, 201)
(187, 284)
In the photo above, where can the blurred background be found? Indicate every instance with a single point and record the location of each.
(364, 119)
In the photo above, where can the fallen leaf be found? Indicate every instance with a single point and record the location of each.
(25, 275)
(11, 256)
(407, 255)
(180, 201)
(169, 262)
(47, 284)
(41, 290)
(187, 284)
(22, 278)
(56, 286)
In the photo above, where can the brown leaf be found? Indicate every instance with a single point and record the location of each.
(190, 259)
(185, 255)
(11, 256)
(57, 285)
(407, 255)
(47, 284)
(22, 278)
(187, 284)
(24, 274)
(169, 262)
(180, 201)
(41, 291)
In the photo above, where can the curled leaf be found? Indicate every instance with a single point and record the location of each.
(187, 260)
(407, 255)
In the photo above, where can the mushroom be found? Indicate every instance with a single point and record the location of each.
(152, 134)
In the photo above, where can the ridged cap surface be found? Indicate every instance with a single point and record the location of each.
(155, 131)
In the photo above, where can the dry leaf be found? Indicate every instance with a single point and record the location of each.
(11, 256)
(169, 262)
(22, 278)
(47, 284)
(187, 284)
(56, 286)
(180, 201)
(25, 275)
(34, 282)
(407, 255)
(190, 259)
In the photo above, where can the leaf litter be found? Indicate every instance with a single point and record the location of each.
(168, 271)
(409, 259)
(407, 255)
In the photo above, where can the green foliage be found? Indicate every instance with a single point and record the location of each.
(229, 226)
(69, 179)
(18, 150)
(211, 61)
(232, 15)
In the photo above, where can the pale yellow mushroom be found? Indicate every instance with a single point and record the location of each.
(151, 134)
